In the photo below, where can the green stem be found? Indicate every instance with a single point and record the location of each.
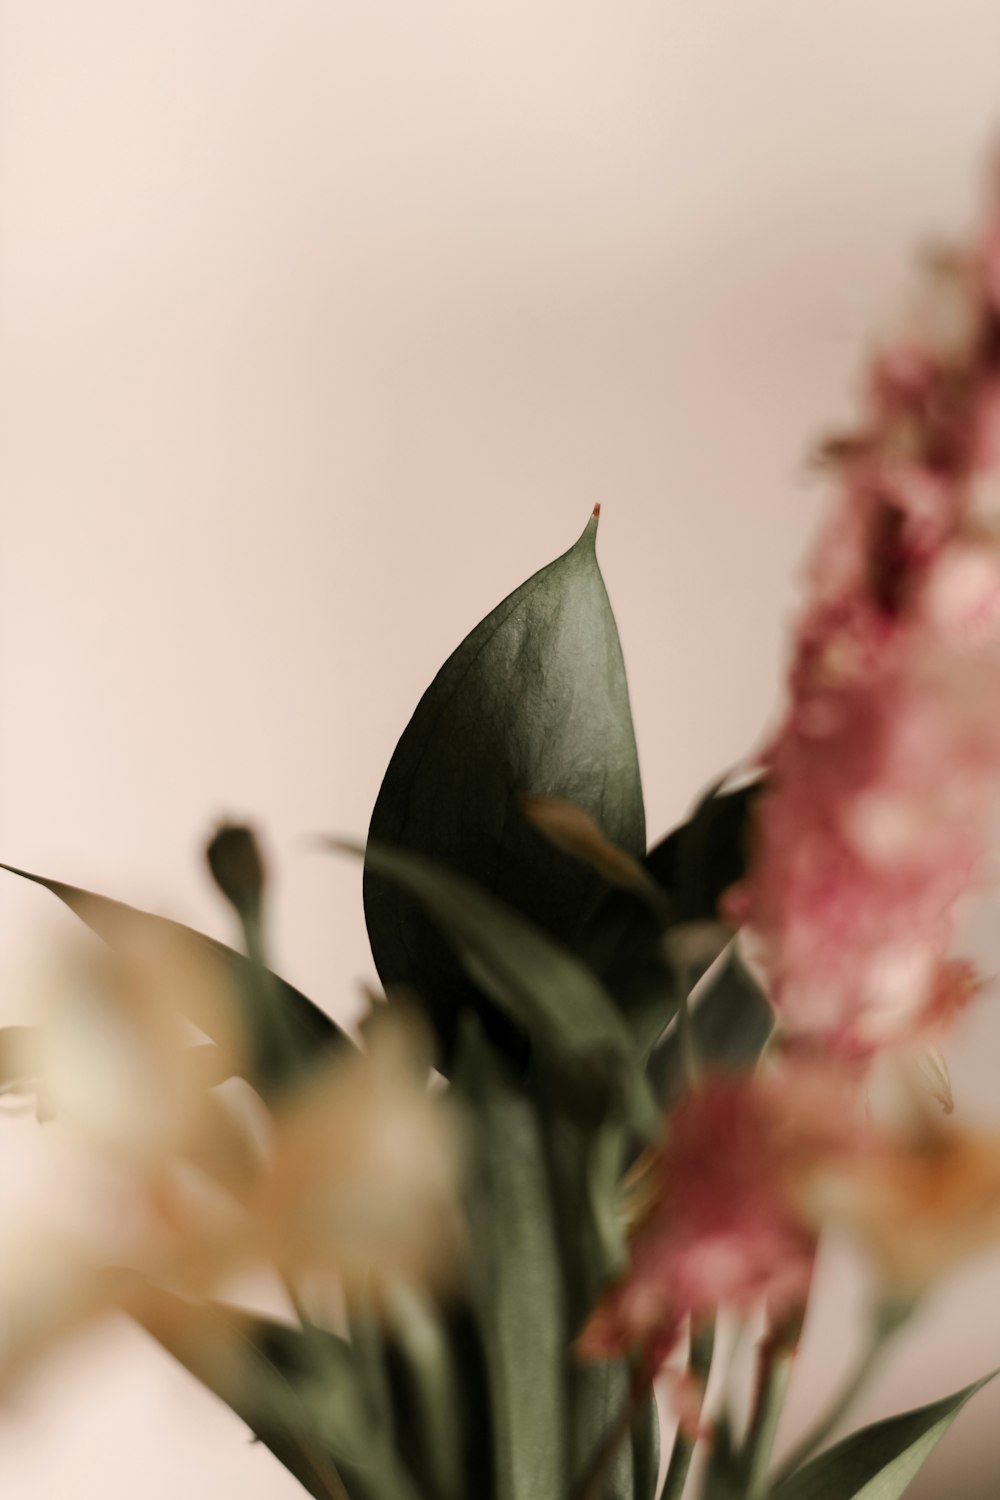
(689, 1050)
(773, 1375)
(677, 1470)
(702, 1350)
(593, 1484)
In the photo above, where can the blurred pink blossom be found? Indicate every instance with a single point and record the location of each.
(721, 1225)
(882, 779)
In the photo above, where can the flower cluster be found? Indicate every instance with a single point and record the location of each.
(343, 1187)
(882, 779)
(872, 826)
(721, 1226)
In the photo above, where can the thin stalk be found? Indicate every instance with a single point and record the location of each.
(702, 1350)
(594, 1482)
(678, 1468)
(688, 1046)
(773, 1375)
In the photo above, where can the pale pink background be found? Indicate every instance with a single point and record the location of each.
(323, 323)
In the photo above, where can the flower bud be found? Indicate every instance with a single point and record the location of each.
(237, 867)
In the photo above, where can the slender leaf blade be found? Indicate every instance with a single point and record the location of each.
(270, 1069)
(539, 985)
(297, 1392)
(878, 1462)
(730, 1024)
(706, 854)
(518, 1290)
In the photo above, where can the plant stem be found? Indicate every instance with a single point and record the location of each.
(702, 1350)
(593, 1483)
(773, 1374)
(689, 1051)
(677, 1470)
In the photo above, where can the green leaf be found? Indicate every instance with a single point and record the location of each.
(879, 1462)
(298, 1392)
(539, 985)
(427, 1392)
(429, 1395)
(623, 939)
(534, 701)
(270, 1068)
(730, 1024)
(623, 943)
(701, 859)
(646, 1451)
(518, 1290)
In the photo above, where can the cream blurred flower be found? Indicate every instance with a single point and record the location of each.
(362, 1174)
(918, 1199)
(115, 1058)
(352, 1179)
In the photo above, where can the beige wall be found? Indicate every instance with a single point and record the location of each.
(324, 322)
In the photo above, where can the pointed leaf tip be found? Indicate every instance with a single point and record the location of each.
(534, 700)
(878, 1462)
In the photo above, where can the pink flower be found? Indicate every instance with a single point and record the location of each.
(721, 1226)
(883, 778)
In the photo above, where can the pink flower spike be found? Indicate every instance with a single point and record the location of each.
(883, 778)
(723, 1229)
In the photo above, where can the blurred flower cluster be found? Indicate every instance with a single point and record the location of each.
(342, 1186)
(882, 781)
(871, 828)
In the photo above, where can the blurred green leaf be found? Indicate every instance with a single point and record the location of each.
(539, 985)
(428, 1395)
(428, 1398)
(724, 1476)
(586, 1164)
(297, 1391)
(533, 701)
(646, 1451)
(730, 1023)
(518, 1289)
(879, 1462)
(271, 1068)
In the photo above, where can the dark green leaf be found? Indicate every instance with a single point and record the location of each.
(622, 939)
(533, 701)
(646, 1451)
(427, 1393)
(623, 943)
(700, 860)
(547, 992)
(518, 1278)
(724, 1478)
(416, 1390)
(879, 1462)
(270, 1068)
(586, 1163)
(730, 1022)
